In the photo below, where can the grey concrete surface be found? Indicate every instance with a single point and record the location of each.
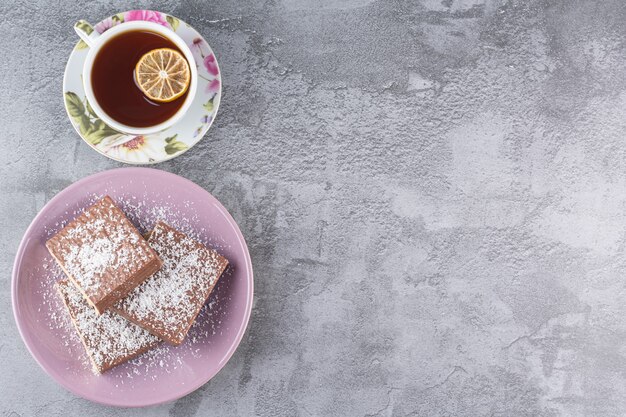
(433, 192)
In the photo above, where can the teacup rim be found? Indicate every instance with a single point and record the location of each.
(101, 39)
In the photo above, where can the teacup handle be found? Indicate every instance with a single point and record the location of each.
(85, 31)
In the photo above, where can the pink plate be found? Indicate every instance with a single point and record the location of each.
(166, 373)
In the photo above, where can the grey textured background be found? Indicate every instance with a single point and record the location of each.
(433, 193)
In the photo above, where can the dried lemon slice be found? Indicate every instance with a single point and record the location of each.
(163, 74)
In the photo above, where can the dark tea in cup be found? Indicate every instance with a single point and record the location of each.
(114, 85)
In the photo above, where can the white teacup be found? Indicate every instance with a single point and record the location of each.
(96, 41)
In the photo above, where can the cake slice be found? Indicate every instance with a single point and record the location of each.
(167, 303)
(109, 339)
(103, 254)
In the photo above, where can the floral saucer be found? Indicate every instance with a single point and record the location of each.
(157, 147)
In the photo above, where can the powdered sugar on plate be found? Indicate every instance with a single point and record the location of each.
(163, 375)
(143, 213)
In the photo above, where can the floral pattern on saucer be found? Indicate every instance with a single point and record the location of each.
(157, 147)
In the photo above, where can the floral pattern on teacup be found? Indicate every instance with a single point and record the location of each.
(146, 149)
(109, 22)
(147, 16)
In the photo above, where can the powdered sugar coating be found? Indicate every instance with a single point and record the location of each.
(108, 338)
(168, 302)
(164, 357)
(103, 253)
(157, 363)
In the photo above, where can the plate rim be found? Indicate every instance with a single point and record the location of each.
(168, 398)
(170, 157)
